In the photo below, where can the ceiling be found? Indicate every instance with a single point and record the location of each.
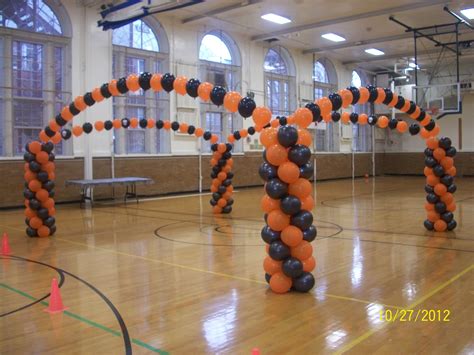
(364, 24)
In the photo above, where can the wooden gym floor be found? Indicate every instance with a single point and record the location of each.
(167, 276)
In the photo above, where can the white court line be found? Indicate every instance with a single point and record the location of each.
(178, 196)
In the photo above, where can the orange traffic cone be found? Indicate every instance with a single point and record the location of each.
(55, 301)
(5, 246)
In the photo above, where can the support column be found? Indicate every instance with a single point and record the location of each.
(8, 97)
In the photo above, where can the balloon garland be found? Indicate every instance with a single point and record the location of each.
(286, 169)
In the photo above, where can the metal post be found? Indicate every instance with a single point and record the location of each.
(457, 53)
(416, 67)
(200, 164)
(373, 151)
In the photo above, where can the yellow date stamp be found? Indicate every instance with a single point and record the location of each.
(415, 315)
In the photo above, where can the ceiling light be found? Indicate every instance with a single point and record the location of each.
(276, 18)
(468, 13)
(412, 65)
(333, 37)
(374, 51)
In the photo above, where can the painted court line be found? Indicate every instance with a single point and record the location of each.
(217, 273)
(88, 321)
(434, 291)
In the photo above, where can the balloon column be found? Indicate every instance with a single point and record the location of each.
(222, 175)
(440, 187)
(39, 189)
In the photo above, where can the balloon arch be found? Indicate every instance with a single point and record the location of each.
(286, 169)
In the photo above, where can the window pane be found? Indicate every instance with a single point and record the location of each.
(30, 15)
(136, 35)
(27, 65)
(214, 49)
(319, 73)
(356, 81)
(274, 63)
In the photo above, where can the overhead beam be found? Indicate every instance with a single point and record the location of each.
(358, 43)
(350, 18)
(391, 56)
(221, 10)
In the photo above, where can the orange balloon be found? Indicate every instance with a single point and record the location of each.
(416, 113)
(35, 222)
(204, 91)
(29, 213)
(51, 176)
(56, 139)
(429, 206)
(307, 203)
(269, 204)
(327, 118)
(440, 225)
(277, 220)
(290, 120)
(42, 157)
(432, 180)
(439, 153)
(402, 126)
(325, 105)
(269, 137)
(49, 203)
(179, 85)
(451, 207)
(261, 116)
(432, 143)
(382, 122)
(221, 148)
(302, 251)
(427, 171)
(440, 189)
(183, 127)
(34, 147)
(424, 133)
(79, 103)
(447, 198)
(77, 131)
(52, 211)
(155, 82)
(97, 95)
(221, 202)
(380, 96)
(54, 126)
(117, 123)
(275, 123)
(304, 137)
(43, 136)
(213, 188)
(406, 106)
(346, 117)
(364, 95)
(132, 82)
(447, 162)
(301, 188)
(425, 120)
(280, 283)
(243, 133)
(113, 88)
(230, 188)
(29, 175)
(276, 154)
(432, 216)
(43, 231)
(49, 167)
(309, 264)
(271, 266)
(435, 131)
(363, 118)
(42, 195)
(167, 125)
(394, 100)
(231, 101)
(214, 138)
(133, 122)
(303, 117)
(291, 236)
(346, 96)
(288, 172)
(34, 185)
(150, 123)
(66, 113)
(99, 126)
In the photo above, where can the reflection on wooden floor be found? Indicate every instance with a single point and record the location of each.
(185, 281)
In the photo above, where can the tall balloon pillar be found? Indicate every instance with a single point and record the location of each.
(222, 175)
(287, 203)
(39, 189)
(440, 187)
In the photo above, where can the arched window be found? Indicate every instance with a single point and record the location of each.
(140, 46)
(280, 81)
(34, 71)
(325, 83)
(219, 59)
(361, 135)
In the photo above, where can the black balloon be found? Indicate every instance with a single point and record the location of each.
(43, 213)
(267, 171)
(42, 176)
(125, 122)
(227, 182)
(428, 225)
(268, 277)
(429, 189)
(35, 204)
(440, 207)
(278, 251)
(335, 116)
(192, 87)
(451, 152)
(28, 157)
(87, 127)
(303, 220)
(447, 180)
(310, 234)
(447, 216)
(230, 202)
(66, 134)
(30, 232)
(167, 81)
(414, 129)
(216, 195)
(34, 166)
(354, 117)
(221, 189)
(445, 142)
(292, 267)
(304, 283)
(108, 125)
(47, 147)
(49, 222)
(287, 136)
(143, 123)
(432, 198)
(306, 171)
(452, 225)
(372, 120)
(299, 154)
(212, 202)
(315, 110)
(452, 188)
(290, 205)
(428, 152)
(246, 107)
(392, 124)
(438, 170)
(276, 189)
(144, 80)
(27, 193)
(269, 235)
(217, 95)
(48, 185)
(430, 162)
(227, 209)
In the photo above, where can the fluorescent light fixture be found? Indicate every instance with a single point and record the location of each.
(276, 18)
(412, 65)
(333, 37)
(374, 51)
(468, 13)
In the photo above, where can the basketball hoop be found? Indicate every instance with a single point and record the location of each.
(433, 111)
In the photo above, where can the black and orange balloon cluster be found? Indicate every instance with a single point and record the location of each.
(222, 175)
(287, 204)
(39, 189)
(440, 172)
